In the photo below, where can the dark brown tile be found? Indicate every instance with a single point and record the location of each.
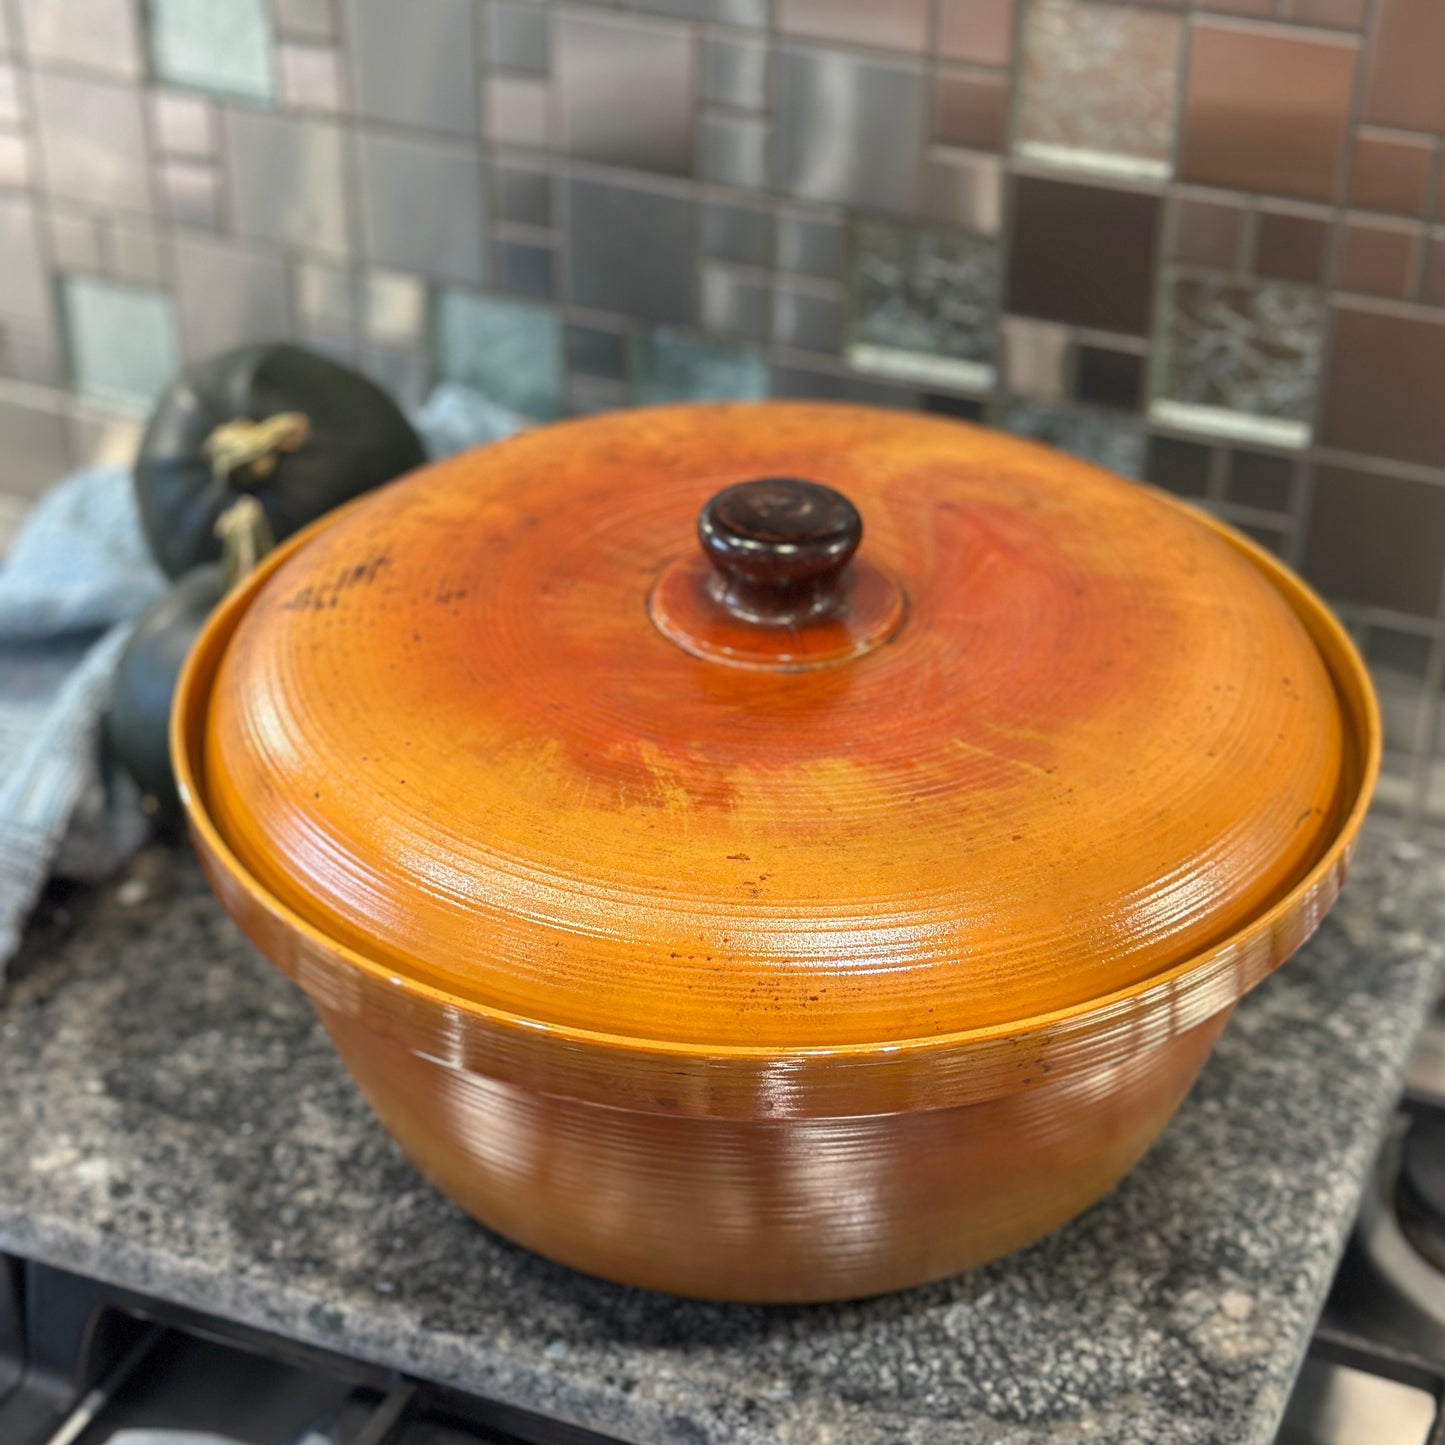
(1292, 245)
(1405, 87)
(1385, 385)
(1347, 14)
(1083, 254)
(1108, 378)
(1208, 233)
(1379, 258)
(981, 31)
(1261, 480)
(1390, 173)
(971, 110)
(1265, 110)
(1177, 466)
(1376, 540)
(1432, 288)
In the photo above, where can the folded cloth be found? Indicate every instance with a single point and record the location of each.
(76, 578)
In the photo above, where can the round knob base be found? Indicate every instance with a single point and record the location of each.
(686, 608)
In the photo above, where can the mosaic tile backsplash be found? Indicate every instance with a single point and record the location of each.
(1199, 241)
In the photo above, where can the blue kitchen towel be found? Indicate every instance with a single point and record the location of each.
(77, 576)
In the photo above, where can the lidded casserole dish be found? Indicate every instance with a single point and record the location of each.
(778, 918)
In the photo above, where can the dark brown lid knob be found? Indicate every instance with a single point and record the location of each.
(779, 546)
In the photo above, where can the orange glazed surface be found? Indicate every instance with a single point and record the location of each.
(447, 733)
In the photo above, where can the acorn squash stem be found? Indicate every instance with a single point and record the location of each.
(246, 451)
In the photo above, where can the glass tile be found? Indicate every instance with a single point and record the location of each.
(518, 111)
(895, 25)
(324, 295)
(752, 13)
(923, 305)
(421, 205)
(229, 293)
(1105, 377)
(1292, 245)
(517, 38)
(1208, 233)
(134, 248)
(92, 141)
(1288, 141)
(843, 123)
(510, 351)
(1238, 358)
(1379, 258)
(735, 71)
(74, 244)
(223, 46)
(14, 160)
(626, 93)
(395, 308)
(1391, 173)
(1104, 438)
(192, 193)
(524, 195)
(806, 319)
(288, 180)
(415, 63)
(667, 367)
(732, 150)
(735, 302)
(183, 125)
(631, 250)
(121, 341)
(1083, 254)
(306, 19)
(1260, 480)
(970, 110)
(96, 34)
(1036, 357)
(1178, 466)
(310, 76)
(24, 283)
(978, 31)
(12, 104)
(964, 191)
(1097, 88)
(737, 233)
(593, 352)
(810, 245)
(525, 270)
(1407, 653)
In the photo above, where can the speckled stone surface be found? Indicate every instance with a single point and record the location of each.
(172, 1120)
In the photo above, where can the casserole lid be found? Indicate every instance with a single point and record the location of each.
(504, 729)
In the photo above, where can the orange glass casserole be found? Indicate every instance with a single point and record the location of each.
(719, 905)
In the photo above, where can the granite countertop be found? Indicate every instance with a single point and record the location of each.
(173, 1120)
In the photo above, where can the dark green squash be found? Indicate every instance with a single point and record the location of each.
(137, 721)
(321, 435)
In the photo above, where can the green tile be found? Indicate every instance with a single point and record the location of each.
(509, 351)
(670, 367)
(122, 341)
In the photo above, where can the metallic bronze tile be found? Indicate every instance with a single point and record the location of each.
(981, 31)
(1347, 14)
(1379, 258)
(971, 110)
(897, 25)
(1433, 286)
(1083, 254)
(1376, 540)
(1265, 110)
(1208, 233)
(1405, 87)
(1106, 377)
(1291, 245)
(1390, 172)
(1385, 385)
(1178, 466)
